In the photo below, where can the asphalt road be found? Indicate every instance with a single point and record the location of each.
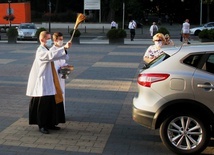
(99, 95)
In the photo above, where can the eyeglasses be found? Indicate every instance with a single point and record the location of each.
(158, 40)
(166, 38)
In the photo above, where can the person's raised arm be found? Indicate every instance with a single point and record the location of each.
(68, 45)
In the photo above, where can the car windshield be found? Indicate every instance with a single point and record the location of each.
(27, 27)
(208, 25)
(156, 61)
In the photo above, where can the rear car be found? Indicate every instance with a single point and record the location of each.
(176, 95)
(196, 30)
(27, 31)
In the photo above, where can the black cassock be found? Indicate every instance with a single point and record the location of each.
(44, 111)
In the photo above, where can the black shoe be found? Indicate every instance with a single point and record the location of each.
(188, 42)
(54, 128)
(44, 130)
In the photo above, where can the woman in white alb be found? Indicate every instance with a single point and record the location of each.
(58, 43)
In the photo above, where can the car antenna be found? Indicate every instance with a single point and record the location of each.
(178, 49)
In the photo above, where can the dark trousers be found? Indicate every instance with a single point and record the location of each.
(42, 111)
(132, 33)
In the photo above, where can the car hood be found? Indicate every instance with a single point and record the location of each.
(198, 28)
(27, 30)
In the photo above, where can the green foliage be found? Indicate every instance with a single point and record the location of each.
(163, 30)
(76, 34)
(116, 33)
(40, 30)
(9, 17)
(206, 34)
(12, 31)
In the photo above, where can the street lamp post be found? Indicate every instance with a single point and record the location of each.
(123, 15)
(49, 4)
(200, 11)
(9, 12)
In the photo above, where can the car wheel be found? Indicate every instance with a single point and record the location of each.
(197, 32)
(185, 134)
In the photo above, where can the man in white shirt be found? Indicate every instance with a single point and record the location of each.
(132, 27)
(113, 25)
(153, 29)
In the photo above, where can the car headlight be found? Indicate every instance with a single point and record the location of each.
(34, 33)
(20, 33)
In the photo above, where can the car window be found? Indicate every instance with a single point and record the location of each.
(22, 27)
(209, 25)
(209, 64)
(32, 27)
(156, 61)
(193, 60)
(27, 27)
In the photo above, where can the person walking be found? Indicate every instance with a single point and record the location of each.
(186, 31)
(43, 86)
(153, 29)
(132, 27)
(113, 25)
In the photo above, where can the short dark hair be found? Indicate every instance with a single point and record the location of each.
(56, 35)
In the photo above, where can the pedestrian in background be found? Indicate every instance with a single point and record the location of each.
(168, 40)
(113, 25)
(186, 31)
(132, 27)
(153, 29)
(43, 85)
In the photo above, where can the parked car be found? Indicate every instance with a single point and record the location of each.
(196, 30)
(27, 31)
(176, 95)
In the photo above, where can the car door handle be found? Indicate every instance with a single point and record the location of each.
(207, 86)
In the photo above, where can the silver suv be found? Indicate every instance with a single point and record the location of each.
(176, 94)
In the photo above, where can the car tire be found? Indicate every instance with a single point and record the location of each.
(197, 32)
(181, 141)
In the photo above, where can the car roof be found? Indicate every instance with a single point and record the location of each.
(27, 24)
(188, 49)
(201, 26)
(209, 23)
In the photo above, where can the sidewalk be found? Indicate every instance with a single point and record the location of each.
(98, 36)
(99, 41)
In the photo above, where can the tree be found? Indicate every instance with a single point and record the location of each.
(208, 2)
